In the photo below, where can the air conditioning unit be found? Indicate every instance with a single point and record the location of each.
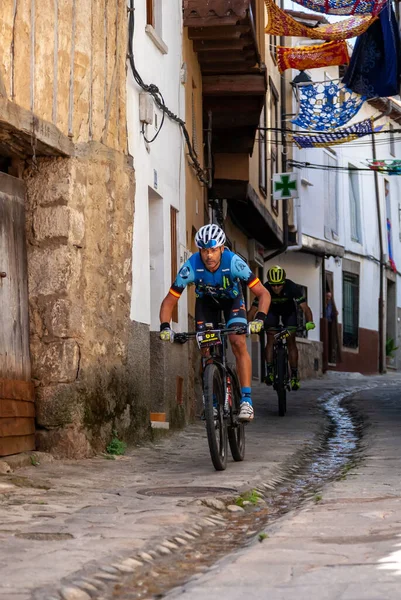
(256, 252)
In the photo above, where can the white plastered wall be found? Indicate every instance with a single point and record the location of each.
(159, 167)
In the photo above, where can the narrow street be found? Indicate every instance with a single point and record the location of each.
(139, 526)
(344, 544)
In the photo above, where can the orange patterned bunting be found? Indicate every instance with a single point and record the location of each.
(312, 57)
(280, 23)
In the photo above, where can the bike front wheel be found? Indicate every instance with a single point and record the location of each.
(281, 381)
(216, 424)
(236, 430)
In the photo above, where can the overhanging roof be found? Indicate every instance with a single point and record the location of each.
(318, 247)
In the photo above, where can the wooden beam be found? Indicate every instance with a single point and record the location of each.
(15, 445)
(229, 85)
(211, 21)
(24, 127)
(228, 57)
(16, 408)
(12, 389)
(234, 105)
(226, 68)
(217, 33)
(212, 45)
(231, 120)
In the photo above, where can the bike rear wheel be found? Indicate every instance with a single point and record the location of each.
(216, 428)
(236, 430)
(281, 381)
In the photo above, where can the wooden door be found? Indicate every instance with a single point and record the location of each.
(17, 417)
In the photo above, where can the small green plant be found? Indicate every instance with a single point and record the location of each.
(317, 498)
(262, 536)
(391, 348)
(34, 460)
(252, 496)
(116, 447)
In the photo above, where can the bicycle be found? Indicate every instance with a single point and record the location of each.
(222, 394)
(281, 369)
(281, 374)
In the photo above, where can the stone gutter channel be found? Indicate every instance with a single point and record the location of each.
(233, 521)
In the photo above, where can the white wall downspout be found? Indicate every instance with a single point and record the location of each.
(298, 212)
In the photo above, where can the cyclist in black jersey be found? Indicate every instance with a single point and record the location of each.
(286, 296)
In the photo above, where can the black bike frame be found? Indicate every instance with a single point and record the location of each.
(217, 352)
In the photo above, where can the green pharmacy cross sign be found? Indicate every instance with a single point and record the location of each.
(285, 186)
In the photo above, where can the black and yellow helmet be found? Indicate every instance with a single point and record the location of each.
(276, 275)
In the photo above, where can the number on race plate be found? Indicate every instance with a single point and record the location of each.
(208, 338)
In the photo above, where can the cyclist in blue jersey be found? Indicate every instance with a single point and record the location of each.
(216, 273)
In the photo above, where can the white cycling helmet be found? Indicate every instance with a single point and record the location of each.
(210, 236)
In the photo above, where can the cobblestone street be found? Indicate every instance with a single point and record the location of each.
(64, 520)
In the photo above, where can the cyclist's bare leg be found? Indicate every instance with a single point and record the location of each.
(243, 360)
(292, 352)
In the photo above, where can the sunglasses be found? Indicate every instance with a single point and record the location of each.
(209, 244)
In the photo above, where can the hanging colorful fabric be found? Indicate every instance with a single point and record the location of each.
(326, 105)
(280, 23)
(312, 57)
(341, 136)
(344, 7)
(375, 67)
(388, 167)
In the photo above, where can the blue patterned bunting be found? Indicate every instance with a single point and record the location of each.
(341, 136)
(326, 105)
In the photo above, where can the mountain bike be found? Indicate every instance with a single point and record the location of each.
(221, 392)
(281, 373)
(281, 369)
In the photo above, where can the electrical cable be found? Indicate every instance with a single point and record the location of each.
(154, 91)
(343, 169)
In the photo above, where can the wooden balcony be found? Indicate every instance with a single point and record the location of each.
(234, 77)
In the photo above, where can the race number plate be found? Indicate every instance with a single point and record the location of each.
(208, 338)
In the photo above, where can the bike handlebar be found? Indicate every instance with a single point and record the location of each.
(285, 332)
(183, 337)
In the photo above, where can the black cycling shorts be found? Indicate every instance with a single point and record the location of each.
(289, 320)
(208, 310)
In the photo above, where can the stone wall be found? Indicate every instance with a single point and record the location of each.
(79, 229)
(310, 360)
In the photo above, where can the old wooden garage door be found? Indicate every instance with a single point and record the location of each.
(17, 412)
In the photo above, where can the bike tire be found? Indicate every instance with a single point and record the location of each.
(236, 430)
(216, 429)
(282, 373)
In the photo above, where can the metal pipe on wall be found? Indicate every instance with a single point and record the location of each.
(382, 264)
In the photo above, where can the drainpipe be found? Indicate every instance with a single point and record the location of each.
(284, 247)
(298, 246)
(382, 264)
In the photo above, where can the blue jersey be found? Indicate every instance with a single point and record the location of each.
(222, 283)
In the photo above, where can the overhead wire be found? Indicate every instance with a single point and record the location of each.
(157, 96)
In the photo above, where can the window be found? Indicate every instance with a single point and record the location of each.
(154, 15)
(392, 141)
(330, 196)
(275, 123)
(355, 208)
(350, 310)
(174, 252)
(263, 153)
